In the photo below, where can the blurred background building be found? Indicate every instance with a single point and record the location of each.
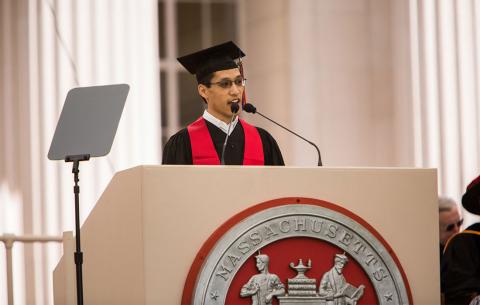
(390, 83)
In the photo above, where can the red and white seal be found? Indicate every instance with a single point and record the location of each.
(296, 251)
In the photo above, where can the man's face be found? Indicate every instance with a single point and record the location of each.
(339, 264)
(450, 223)
(218, 98)
(260, 265)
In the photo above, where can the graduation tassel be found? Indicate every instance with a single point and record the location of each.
(240, 67)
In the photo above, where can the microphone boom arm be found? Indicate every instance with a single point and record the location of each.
(316, 147)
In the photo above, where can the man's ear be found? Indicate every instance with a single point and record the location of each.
(202, 90)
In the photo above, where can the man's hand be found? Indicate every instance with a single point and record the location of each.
(268, 297)
(341, 292)
(329, 296)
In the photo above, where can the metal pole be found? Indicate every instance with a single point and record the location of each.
(78, 256)
(8, 250)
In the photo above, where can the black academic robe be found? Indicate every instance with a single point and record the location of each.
(178, 149)
(460, 268)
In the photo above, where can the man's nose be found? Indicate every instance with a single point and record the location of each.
(234, 90)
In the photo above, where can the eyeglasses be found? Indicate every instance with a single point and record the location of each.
(228, 83)
(451, 226)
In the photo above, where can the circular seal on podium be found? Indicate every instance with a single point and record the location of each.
(296, 251)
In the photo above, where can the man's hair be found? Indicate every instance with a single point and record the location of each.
(446, 204)
(206, 80)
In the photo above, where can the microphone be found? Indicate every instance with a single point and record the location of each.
(252, 109)
(234, 108)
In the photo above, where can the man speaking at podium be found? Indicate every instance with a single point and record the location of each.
(221, 85)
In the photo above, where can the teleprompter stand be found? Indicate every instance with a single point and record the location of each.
(78, 255)
(86, 128)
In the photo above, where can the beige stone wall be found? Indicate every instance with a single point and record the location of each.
(326, 69)
(265, 31)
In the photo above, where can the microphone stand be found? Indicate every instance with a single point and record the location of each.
(250, 108)
(78, 255)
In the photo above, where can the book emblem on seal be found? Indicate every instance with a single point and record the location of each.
(297, 253)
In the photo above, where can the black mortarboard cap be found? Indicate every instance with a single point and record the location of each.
(471, 198)
(216, 58)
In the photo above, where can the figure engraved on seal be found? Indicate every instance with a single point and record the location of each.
(335, 289)
(264, 286)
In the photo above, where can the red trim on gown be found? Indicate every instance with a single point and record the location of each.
(203, 150)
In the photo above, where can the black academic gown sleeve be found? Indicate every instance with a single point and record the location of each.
(460, 270)
(271, 151)
(178, 149)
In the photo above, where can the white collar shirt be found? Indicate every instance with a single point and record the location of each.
(219, 123)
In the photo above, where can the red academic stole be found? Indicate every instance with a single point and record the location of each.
(203, 150)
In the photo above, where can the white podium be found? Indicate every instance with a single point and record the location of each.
(143, 234)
